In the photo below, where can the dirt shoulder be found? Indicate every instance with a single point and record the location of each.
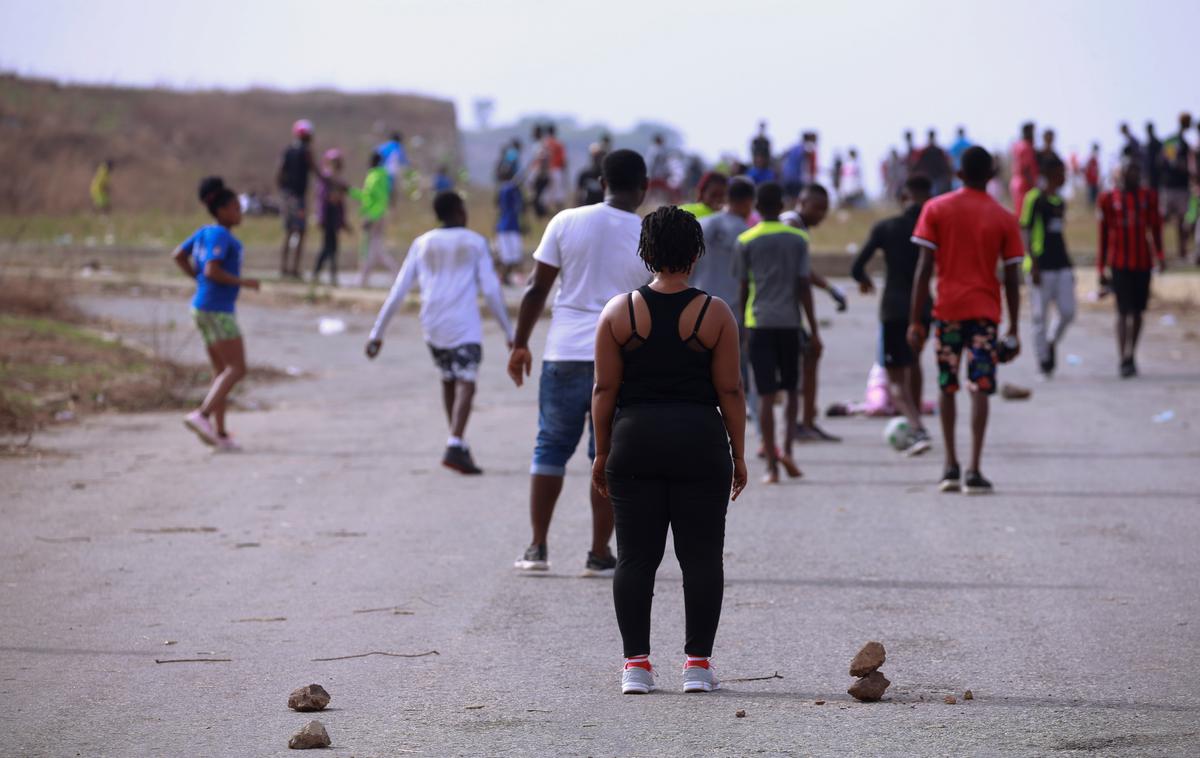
(57, 365)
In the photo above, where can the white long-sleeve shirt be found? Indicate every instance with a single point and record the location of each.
(451, 266)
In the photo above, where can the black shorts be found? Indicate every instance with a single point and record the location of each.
(775, 358)
(894, 344)
(1132, 289)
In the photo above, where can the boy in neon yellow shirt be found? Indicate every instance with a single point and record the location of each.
(374, 197)
(1047, 263)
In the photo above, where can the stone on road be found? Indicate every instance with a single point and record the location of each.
(868, 659)
(870, 688)
(311, 735)
(310, 697)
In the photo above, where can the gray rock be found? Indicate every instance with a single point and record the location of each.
(868, 659)
(310, 698)
(870, 688)
(313, 735)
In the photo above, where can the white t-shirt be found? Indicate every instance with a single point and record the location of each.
(595, 250)
(452, 267)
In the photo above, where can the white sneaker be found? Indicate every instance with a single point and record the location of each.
(637, 679)
(202, 427)
(699, 676)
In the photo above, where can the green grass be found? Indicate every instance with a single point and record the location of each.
(48, 365)
(151, 234)
(45, 327)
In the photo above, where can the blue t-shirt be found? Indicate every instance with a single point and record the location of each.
(793, 164)
(393, 155)
(214, 243)
(509, 201)
(760, 175)
(957, 149)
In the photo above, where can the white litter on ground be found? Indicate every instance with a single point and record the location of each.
(329, 326)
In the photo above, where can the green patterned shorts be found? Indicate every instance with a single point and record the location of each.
(216, 326)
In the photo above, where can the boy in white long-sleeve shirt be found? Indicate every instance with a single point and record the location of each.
(452, 266)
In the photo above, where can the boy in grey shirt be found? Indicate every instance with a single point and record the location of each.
(772, 265)
(713, 271)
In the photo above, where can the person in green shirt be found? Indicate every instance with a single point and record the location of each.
(1047, 262)
(710, 195)
(374, 197)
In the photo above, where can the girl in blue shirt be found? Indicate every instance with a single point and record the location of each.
(213, 257)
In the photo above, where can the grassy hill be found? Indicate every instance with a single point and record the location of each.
(53, 136)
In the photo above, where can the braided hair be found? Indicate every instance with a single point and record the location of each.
(671, 240)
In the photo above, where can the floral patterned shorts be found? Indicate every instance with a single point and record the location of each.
(978, 338)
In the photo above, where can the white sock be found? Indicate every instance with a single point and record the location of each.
(455, 442)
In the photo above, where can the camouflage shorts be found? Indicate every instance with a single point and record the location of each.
(216, 326)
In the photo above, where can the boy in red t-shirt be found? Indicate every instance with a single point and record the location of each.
(966, 234)
(556, 155)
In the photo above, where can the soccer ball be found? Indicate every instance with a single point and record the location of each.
(896, 433)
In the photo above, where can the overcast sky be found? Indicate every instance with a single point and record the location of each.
(858, 72)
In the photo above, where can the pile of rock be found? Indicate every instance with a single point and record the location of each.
(312, 697)
(871, 682)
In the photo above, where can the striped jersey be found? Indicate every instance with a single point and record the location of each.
(1130, 230)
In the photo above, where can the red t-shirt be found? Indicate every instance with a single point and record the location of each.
(969, 234)
(1025, 164)
(558, 153)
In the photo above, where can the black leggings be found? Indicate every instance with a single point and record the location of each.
(670, 466)
(329, 252)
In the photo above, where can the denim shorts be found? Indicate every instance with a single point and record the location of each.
(564, 406)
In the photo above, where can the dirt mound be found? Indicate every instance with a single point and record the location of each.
(53, 136)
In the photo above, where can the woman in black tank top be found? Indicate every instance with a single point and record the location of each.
(670, 420)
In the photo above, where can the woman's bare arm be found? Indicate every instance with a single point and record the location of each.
(609, 369)
(727, 379)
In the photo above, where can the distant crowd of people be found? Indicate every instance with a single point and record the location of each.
(669, 331)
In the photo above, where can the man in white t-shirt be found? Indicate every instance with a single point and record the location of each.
(594, 251)
(452, 265)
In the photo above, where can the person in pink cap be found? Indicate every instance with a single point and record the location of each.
(292, 179)
(331, 212)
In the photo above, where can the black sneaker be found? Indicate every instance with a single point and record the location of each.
(918, 443)
(601, 566)
(534, 559)
(1128, 370)
(950, 480)
(460, 460)
(975, 484)
(1053, 362)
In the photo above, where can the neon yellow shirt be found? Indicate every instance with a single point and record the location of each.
(699, 210)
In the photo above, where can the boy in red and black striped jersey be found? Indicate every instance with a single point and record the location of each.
(1130, 244)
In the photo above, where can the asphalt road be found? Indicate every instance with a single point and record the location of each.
(1067, 602)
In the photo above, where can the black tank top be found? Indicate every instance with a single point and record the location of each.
(661, 368)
